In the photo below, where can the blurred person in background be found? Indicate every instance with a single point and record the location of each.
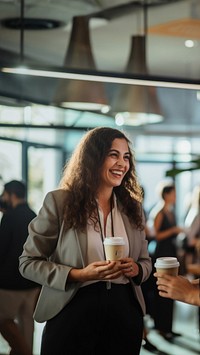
(166, 231)
(192, 223)
(148, 289)
(17, 294)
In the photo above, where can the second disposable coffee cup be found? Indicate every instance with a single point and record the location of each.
(167, 265)
(114, 248)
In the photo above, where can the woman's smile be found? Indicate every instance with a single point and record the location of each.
(117, 173)
(116, 163)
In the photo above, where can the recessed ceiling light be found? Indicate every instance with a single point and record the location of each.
(190, 43)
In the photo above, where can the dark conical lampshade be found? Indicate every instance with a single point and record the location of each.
(136, 105)
(78, 94)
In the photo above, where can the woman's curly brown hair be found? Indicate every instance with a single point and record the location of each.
(81, 179)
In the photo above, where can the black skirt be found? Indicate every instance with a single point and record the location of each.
(97, 320)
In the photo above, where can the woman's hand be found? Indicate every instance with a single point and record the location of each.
(99, 270)
(128, 267)
(177, 229)
(178, 288)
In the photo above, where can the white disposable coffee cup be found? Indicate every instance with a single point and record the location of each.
(167, 265)
(114, 248)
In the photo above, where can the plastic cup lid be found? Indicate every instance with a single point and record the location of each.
(166, 262)
(114, 241)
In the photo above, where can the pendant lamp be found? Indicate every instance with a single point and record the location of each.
(77, 94)
(136, 105)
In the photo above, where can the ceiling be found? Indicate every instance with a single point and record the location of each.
(167, 24)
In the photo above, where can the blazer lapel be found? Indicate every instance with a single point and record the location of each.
(81, 239)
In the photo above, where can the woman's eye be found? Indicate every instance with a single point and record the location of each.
(127, 157)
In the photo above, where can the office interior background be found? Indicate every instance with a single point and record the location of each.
(67, 66)
(133, 65)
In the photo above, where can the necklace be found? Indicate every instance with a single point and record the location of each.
(108, 283)
(100, 225)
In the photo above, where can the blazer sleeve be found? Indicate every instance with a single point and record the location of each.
(35, 263)
(138, 250)
(144, 260)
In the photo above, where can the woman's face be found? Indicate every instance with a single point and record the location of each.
(116, 164)
(170, 199)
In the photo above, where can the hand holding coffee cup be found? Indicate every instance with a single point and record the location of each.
(167, 266)
(114, 248)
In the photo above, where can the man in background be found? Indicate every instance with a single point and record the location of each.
(17, 294)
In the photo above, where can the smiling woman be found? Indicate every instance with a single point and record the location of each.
(98, 196)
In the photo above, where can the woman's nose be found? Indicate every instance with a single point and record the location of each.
(120, 161)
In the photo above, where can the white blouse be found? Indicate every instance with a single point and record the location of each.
(95, 251)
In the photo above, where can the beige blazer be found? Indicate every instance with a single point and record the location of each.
(51, 251)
